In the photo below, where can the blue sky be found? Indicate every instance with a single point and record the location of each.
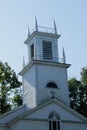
(71, 21)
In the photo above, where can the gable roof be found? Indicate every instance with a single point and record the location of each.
(41, 112)
(65, 112)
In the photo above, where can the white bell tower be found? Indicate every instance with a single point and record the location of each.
(45, 75)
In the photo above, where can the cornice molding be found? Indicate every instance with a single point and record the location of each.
(43, 62)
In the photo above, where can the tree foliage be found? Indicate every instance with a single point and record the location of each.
(17, 99)
(8, 85)
(78, 93)
(84, 76)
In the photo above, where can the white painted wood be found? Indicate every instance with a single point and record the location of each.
(37, 98)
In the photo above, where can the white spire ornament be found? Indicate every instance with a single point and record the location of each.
(28, 31)
(23, 62)
(36, 24)
(64, 57)
(55, 28)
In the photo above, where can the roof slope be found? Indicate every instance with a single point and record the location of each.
(7, 117)
(41, 112)
(65, 113)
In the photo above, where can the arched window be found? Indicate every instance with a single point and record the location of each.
(51, 85)
(54, 121)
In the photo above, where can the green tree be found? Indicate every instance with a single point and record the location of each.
(84, 76)
(78, 93)
(8, 83)
(83, 92)
(17, 99)
(74, 85)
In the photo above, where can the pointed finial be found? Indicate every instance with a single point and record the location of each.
(53, 93)
(23, 62)
(36, 25)
(28, 31)
(55, 28)
(64, 57)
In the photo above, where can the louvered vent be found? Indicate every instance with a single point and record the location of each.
(47, 50)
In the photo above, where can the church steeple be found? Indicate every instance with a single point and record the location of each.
(48, 37)
(45, 71)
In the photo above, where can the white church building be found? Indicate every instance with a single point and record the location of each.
(46, 103)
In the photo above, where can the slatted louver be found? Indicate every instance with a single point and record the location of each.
(47, 50)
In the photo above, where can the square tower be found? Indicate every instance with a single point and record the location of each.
(45, 75)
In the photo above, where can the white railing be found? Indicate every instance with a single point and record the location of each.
(46, 30)
(40, 58)
(43, 29)
(53, 59)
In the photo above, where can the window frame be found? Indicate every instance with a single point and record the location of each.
(51, 124)
(32, 51)
(54, 120)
